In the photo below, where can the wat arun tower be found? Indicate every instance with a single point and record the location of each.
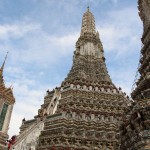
(85, 111)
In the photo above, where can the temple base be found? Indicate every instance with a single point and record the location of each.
(3, 139)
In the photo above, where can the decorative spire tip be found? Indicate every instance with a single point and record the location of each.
(88, 8)
(4, 61)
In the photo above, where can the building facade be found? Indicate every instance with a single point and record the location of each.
(87, 111)
(30, 130)
(7, 101)
(84, 113)
(135, 131)
(89, 108)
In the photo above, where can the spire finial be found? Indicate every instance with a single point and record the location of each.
(2, 67)
(88, 8)
(88, 23)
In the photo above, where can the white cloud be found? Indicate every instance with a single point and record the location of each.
(123, 77)
(36, 46)
(121, 31)
(67, 40)
(49, 50)
(16, 30)
(119, 40)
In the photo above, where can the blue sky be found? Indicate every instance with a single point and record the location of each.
(40, 36)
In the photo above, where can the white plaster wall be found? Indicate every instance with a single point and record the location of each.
(30, 139)
(90, 49)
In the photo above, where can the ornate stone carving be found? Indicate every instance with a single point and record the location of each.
(136, 126)
(90, 106)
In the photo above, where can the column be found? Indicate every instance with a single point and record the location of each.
(7, 119)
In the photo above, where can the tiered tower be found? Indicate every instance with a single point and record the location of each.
(7, 101)
(89, 107)
(135, 131)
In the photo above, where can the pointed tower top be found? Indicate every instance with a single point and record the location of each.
(88, 23)
(2, 67)
(88, 8)
(1, 70)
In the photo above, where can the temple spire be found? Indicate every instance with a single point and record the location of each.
(88, 8)
(88, 61)
(2, 68)
(88, 23)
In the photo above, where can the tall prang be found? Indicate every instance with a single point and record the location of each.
(135, 131)
(85, 111)
(89, 62)
(7, 101)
